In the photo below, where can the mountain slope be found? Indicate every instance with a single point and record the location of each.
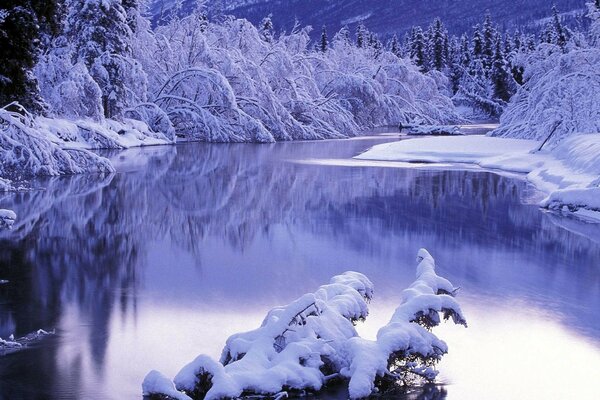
(387, 17)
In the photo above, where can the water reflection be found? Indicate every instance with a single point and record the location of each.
(188, 244)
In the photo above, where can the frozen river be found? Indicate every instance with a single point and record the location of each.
(188, 244)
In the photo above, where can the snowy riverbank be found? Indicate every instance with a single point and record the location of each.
(569, 174)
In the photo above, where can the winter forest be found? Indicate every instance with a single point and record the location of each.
(171, 172)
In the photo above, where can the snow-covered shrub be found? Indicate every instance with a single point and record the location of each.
(559, 98)
(25, 152)
(312, 342)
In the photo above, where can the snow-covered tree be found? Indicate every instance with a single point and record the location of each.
(266, 29)
(489, 34)
(437, 45)
(361, 35)
(418, 47)
(324, 42)
(395, 46)
(101, 38)
(500, 75)
(25, 27)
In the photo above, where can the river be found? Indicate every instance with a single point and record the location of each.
(187, 244)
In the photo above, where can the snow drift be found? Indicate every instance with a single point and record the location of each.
(312, 342)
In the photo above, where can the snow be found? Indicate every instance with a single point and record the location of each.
(297, 344)
(7, 218)
(569, 173)
(462, 149)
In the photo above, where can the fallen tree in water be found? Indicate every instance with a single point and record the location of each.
(312, 343)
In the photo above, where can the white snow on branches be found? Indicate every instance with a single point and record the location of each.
(304, 345)
(26, 151)
(560, 97)
(224, 82)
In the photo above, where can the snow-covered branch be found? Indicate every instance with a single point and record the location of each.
(312, 343)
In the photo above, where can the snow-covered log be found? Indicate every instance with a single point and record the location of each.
(312, 342)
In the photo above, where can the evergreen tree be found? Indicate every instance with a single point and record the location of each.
(324, 43)
(559, 33)
(500, 75)
(395, 47)
(417, 47)
(361, 36)
(489, 38)
(477, 42)
(101, 39)
(25, 27)
(374, 44)
(455, 62)
(266, 29)
(438, 45)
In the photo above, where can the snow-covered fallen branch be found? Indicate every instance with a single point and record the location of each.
(312, 343)
(7, 219)
(433, 130)
(10, 345)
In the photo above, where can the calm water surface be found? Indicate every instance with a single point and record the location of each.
(188, 244)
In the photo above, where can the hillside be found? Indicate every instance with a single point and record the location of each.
(387, 17)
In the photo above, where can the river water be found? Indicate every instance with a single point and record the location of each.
(188, 244)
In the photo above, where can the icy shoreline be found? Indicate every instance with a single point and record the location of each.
(569, 174)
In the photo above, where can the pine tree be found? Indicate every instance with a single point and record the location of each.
(361, 33)
(489, 39)
(266, 29)
(438, 45)
(395, 47)
(374, 44)
(101, 39)
(417, 47)
(25, 27)
(477, 43)
(500, 76)
(455, 62)
(324, 44)
(559, 32)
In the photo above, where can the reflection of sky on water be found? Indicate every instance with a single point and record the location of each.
(188, 244)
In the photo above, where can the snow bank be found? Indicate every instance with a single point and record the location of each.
(52, 146)
(305, 345)
(464, 149)
(569, 173)
(107, 134)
